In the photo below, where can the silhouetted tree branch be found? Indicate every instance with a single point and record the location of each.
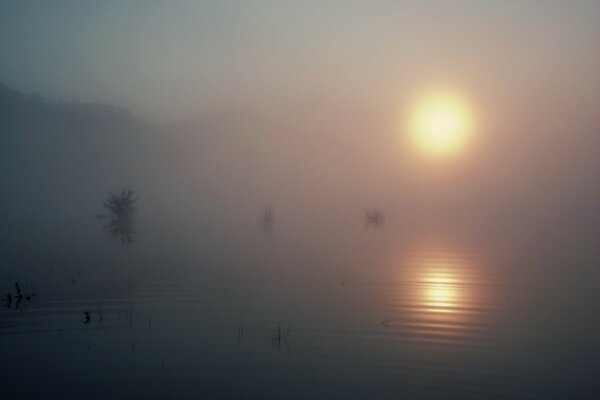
(122, 209)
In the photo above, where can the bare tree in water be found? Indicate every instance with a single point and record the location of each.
(122, 210)
(266, 220)
(374, 218)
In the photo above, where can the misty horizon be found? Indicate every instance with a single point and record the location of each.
(301, 200)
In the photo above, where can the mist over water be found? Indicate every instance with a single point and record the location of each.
(259, 257)
(258, 224)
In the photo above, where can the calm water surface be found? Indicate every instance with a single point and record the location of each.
(409, 324)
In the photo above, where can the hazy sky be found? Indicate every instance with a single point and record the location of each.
(179, 58)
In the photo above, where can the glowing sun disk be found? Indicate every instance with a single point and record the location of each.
(441, 123)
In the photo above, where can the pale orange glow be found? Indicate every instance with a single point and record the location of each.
(441, 123)
(442, 293)
(441, 285)
(439, 291)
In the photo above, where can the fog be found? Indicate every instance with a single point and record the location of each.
(529, 171)
(277, 195)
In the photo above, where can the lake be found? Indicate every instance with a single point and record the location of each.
(425, 322)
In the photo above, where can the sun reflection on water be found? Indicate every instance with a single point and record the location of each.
(445, 298)
(440, 286)
(439, 291)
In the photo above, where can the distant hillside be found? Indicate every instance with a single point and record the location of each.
(22, 111)
(58, 159)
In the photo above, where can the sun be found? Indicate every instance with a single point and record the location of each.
(441, 123)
